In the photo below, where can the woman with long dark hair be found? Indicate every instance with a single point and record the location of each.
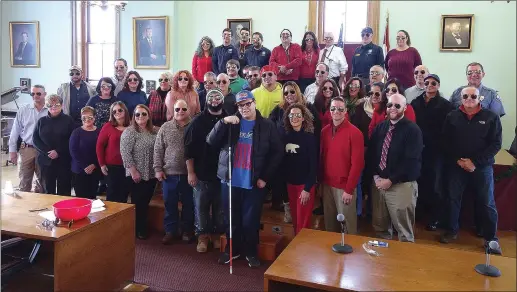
(310, 52)
(132, 93)
(353, 94)
(401, 61)
(202, 60)
(326, 92)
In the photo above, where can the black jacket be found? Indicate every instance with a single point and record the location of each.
(478, 139)
(205, 157)
(404, 159)
(430, 118)
(53, 133)
(267, 147)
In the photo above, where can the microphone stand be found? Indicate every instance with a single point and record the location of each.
(487, 269)
(342, 247)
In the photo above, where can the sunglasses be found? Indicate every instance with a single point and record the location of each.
(214, 97)
(253, 75)
(421, 72)
(270, 74)
(337, 108)
(472, 96)
(76, 74)
(433, 83)
(330, 88)
(470, 72)
(221, 81)
(295, 115)
(209, 82)
(53, 105)
(377, 94)
(120, 67)
(286, 93)
(143, 114)
(243, 105)
(375, 73)
(231, 67)
(86, 118)
(320, 72)
(365, 35)
(393, 89)
(401, 38)
(118, 111)
(328, 38)
(36, 93)
(396, 105)
(183, 79)
(354, 86)
(106, 86)
(178, 109)
(132, 80)
(309, 39)
(163, 80)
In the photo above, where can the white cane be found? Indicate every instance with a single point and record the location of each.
(230, 199)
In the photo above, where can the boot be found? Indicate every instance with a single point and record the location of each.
(287, 213)
(216, 241)
(202, 243)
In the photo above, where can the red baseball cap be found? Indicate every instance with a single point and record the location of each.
(269, 68)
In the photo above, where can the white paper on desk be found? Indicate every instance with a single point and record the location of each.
(97, 209)
(97, 204)
(49, 215)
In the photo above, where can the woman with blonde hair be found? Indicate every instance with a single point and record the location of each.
(156, 100)
(136, 149)
(182, 88)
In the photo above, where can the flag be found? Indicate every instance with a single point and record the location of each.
(386, 41)
(340, 40)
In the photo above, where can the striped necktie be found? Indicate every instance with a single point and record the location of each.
(386, 147)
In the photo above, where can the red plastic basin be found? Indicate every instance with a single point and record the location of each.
(72, 209)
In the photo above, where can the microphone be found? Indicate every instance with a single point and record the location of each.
(487, 269)
(342, 247)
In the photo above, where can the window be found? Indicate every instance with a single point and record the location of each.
(352, 14)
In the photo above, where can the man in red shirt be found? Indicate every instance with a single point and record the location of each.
(287, 58)
(342, 161)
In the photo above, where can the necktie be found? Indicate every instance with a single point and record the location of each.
(386, 147)
(323, 55)
(150, 42)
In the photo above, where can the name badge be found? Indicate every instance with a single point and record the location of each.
(482, 122)
(369, 51)
(263, 54)
(357, 55)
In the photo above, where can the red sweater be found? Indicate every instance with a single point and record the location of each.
(309, 62)
(108, 146)
(378, 118)
(342, 156)
(201, 65)
(401, 65)
(293, 61)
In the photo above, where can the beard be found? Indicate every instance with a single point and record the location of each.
(397, 117)
(215, 108)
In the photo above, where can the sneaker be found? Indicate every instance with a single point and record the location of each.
(216, 241)
(224, 258)
(448, 237)
(253, 262)
(202, 243)
(494, 250)
(168, 238)
(287, 213)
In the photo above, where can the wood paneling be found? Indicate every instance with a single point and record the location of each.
(372, 19)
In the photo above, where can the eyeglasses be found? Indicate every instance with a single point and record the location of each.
(117, 111)
(243, 105)
(163, 80)
(86, 118)
(132, 80)
(421, 72)
(330, 88)
(76, 74)
(178, 109)
(320, 72)
(143, 114)
(393, 89)
(221, 81)
(401, 38)
(183, 79)
(376, 94)
(55, 105)
(375, 73)
(231, 67)
(106, 86)
(295, 115)
(36, 93)
(396, 105)
(286, 93)
(337, 108)
(472, 96)
(365, 35)
(309, 39)
(214, 97)
(470, 72)
(354, 86)
(270, 74)
(433, 83)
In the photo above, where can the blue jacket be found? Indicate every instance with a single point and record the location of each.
(364, 58)
(223, 54)
(260, 58)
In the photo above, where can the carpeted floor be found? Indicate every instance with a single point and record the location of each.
(178, 267)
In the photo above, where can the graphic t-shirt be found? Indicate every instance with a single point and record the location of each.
(241, 171)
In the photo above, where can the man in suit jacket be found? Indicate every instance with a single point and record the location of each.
(24, 53)
(150, 51)
(455, 38)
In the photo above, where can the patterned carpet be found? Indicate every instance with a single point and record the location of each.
(178, 267)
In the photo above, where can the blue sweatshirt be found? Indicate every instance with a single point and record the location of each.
(132, 99)
(260, 57)
(223, 54)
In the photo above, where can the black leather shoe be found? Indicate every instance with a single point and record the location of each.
(448, 237)
(479, 233)
(142, 235)
(432, 226)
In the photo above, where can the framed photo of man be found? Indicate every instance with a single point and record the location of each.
(236, 25)
(457, 32)
(24, 43)
(151, 42)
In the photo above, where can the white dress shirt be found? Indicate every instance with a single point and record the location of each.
(335, 59)
(310, 92)
(24, 124)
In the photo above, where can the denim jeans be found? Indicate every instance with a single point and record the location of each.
(482, 182)
(246, 213)
(173, 187)
(208, 194)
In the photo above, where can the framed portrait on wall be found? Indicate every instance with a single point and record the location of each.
(24, 43)
(151, 42)
(236, 25)
(457, 32)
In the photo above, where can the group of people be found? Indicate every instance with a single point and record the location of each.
(206, 131)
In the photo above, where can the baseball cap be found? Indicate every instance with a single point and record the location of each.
(243, 95)
(75, 67)
(367, 30)
(434, 76)
(269, 68)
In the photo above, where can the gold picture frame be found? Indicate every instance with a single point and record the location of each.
(457, 32)
(24, 44)
(151, 42)
(235, 25)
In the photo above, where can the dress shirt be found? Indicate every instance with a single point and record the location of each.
(24, 124)
(335, 59)
(310, 92)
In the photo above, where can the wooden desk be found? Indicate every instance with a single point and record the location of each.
(95, 254)
(309, 262)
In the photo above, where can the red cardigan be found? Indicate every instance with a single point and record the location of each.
(342, 156)
(201, 65)
(307, 68)
(108, 146)
(378, 118)
(294, 61)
